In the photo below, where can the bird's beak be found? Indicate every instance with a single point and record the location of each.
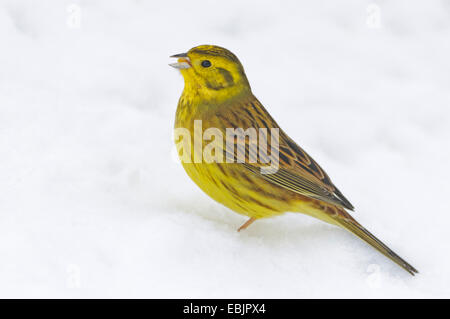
(183, 61)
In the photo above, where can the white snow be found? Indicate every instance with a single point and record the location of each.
(92, 204)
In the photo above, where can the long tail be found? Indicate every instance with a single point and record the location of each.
(354, 227)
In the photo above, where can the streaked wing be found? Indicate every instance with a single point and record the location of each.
(297, 172)
(300, 185)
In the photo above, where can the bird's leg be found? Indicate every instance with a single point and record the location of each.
(247, 223)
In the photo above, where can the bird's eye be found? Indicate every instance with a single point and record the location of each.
(206, 63)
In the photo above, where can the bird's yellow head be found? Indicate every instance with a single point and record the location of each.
(212, 72)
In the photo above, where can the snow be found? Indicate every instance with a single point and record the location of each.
(92, 203)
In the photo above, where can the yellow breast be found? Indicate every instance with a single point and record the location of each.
(228, 183)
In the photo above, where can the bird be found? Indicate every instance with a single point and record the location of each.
(218, 95)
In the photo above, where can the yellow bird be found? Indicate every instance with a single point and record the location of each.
(217, 94)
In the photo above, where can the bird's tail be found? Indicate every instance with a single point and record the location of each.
(354, 227)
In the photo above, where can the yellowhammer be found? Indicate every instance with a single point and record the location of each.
(217, 102)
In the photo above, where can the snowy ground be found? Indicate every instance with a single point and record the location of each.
(92, 204)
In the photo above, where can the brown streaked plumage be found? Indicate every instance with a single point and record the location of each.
(217, 92)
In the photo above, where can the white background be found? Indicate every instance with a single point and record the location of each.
(92, 204)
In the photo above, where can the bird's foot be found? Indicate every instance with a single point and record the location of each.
(246, 224)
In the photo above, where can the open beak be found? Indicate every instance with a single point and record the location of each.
(182, 63)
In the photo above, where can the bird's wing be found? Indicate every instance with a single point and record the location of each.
(296, 165)
(297, 171)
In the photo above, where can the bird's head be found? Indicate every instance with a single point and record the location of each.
(212, 71)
